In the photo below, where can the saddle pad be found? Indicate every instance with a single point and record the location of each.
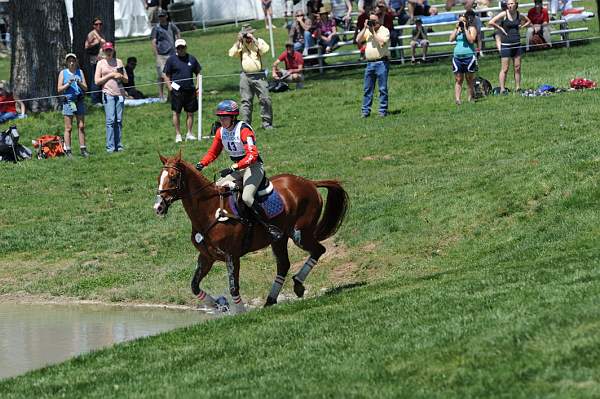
(272, 204)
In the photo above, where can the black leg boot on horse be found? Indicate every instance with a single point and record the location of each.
(260, 216)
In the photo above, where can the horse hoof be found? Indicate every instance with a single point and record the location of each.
(270, 302)
(298, 288)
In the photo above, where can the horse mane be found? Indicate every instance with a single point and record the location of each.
(191, 172)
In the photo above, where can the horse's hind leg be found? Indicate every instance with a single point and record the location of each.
(233, 273)
(309, 243)
(204, 266)
(280, 252)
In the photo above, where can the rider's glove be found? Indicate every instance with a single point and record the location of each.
(225, 172)
(199, 166)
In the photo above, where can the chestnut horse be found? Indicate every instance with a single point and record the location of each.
(229, 240)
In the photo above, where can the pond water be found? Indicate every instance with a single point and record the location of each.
(35, 335)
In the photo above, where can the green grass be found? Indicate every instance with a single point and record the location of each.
(472, 237)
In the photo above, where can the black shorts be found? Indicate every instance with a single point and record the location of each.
(184, 99)
(510, 51)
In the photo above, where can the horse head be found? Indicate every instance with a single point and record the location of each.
(170, 183)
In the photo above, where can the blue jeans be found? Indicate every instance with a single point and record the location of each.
(309, 41)
(376, 70)
(7, 116)
(113, 108)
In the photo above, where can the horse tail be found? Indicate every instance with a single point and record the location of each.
(335, 209)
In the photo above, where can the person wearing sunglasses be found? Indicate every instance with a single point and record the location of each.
(93, 42)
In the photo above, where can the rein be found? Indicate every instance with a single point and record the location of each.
(179, 185)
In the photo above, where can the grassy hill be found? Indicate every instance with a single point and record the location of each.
(468, 265)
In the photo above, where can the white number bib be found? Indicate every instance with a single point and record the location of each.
(232, 140)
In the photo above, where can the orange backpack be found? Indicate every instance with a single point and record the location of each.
(49, 146)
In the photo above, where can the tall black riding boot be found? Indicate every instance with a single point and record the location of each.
(274, 231)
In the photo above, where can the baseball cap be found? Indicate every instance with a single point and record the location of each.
(180, 42)
(108, 46)
(162, 13)
(70, 55)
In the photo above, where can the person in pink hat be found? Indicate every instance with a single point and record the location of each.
(110, 75)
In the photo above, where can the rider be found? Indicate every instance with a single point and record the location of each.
(237, 137)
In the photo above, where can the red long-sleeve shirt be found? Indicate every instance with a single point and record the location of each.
(245, 156)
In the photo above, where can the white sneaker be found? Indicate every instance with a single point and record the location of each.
(178, 138)
(190, 136)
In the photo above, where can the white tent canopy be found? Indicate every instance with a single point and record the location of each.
(131, 18)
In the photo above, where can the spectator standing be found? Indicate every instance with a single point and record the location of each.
(386, 17)
(267, 6)
(469, 5)
(294, 64)
(110, 75)
(508, 23)
(163, 37)
(326, 31)
(180, 69)
(464, 62)
(377, 39)
(130, 88)
(9, 104)
(300, 33)
(538, 16)
(152, 10)
(71, 83)
(419, 38)
(94, 41)
(250, 50)
(341, 11)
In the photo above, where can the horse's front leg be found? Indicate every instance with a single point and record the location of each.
(204, 266)
(233, 274)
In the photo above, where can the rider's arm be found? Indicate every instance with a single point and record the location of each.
(214, 150)
(250, 147)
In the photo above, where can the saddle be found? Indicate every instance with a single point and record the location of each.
(266, 196)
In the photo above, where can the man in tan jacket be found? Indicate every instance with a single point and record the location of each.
(250, 50)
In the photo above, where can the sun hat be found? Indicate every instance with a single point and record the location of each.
(247, 28)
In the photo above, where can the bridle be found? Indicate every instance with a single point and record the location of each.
(179, 186)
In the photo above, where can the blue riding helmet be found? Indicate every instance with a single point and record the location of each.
(228, 107)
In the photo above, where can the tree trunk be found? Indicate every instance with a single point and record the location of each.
(40, 41)
(84, 12)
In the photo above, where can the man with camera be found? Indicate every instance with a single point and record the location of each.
(377, 53)
(250, 50)
(179, 71)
